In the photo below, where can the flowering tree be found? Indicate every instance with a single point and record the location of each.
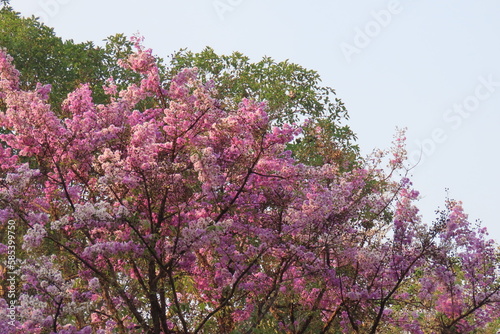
(166, 211)
(290, 91)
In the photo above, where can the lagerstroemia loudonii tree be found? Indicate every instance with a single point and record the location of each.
(186, 217)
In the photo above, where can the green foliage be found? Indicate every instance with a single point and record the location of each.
(41, 56)
(290, 90)
(292, 93)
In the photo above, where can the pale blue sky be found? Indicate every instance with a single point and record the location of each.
(431, 66)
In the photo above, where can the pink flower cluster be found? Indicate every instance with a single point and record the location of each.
(163, 212)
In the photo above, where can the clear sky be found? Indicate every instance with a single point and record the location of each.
(430, 66)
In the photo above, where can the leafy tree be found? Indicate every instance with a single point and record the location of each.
(169, 209)
(292, 93)
(41, 56)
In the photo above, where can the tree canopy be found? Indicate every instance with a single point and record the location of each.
(192, 198)
(42, 57)
(292, 92)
